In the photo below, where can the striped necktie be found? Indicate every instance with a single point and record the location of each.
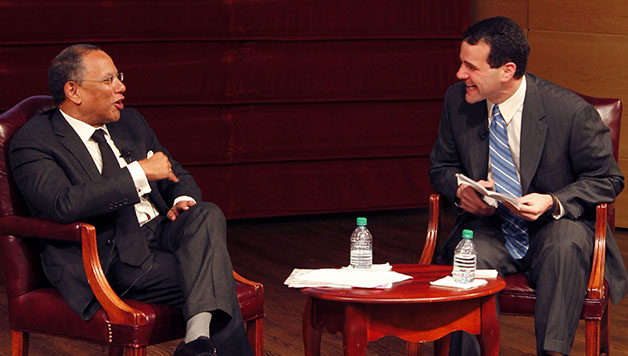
(514, 228)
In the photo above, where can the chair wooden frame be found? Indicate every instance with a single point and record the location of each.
(596, 326)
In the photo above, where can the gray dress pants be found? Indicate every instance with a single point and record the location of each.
(189, 267)
(557, 265)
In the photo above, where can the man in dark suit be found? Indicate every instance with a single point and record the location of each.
(92, 160)
(560, 155)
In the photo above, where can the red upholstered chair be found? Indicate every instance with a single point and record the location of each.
(35, 306)
(519, 298)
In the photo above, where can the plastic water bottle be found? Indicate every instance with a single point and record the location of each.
(465, 259)
(361, 246)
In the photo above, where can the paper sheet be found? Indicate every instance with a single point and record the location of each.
(379, 276)
(449, 282)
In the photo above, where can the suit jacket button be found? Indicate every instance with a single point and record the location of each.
(110, 242)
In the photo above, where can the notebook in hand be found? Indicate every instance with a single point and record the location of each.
(492, 196)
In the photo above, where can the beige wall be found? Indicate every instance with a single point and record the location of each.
(579, 44)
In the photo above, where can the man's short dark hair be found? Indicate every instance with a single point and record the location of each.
(67, 66)
(507, 40)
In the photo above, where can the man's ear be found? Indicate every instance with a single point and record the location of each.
(509, 70)
(71, 92)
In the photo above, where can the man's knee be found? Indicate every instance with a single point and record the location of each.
(491, 253)
(209, 212)
(565, 236)
(205, 220)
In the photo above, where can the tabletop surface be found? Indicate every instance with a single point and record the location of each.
(415, 290)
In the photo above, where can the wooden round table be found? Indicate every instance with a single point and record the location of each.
(412, 310)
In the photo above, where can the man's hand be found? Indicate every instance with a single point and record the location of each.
(158, 167)
(533, 205)
(179, 208)
(471, 202)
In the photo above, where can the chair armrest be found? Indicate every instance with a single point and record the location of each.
(595, 288)
(38, 228)
(118, 311)
(258, 286)
(27, 227)
(432, 231)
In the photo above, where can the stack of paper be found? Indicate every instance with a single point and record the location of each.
(378, 276)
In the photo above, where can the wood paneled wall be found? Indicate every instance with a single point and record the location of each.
(276, 107)
(582, 45)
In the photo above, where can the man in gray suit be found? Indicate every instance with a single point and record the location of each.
(560, 155)
(90, 159)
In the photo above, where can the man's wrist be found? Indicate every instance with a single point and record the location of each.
(554, 205)
(139, 178)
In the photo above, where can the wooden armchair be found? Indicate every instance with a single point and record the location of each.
(518, 298)
(35, 306)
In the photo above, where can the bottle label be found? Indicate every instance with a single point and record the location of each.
(361, 258)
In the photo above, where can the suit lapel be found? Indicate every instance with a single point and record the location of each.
(533, 134)
(70, 140)
(125, 144)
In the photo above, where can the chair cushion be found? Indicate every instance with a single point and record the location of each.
(518, 298)
(45, 311)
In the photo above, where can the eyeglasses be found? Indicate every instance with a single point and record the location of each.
(109, 80)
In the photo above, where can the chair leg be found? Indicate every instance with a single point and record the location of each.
(414, 349)
(592, 337)
(116, 350)
(135, 351)
(255, 334)
(19, 343)
(605, 336)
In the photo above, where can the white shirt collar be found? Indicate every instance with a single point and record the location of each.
(509, 107)
(84, 130)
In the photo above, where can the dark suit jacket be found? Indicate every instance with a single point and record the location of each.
(565, 150)
(60, 182)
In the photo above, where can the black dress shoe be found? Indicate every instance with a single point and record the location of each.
(203, 346)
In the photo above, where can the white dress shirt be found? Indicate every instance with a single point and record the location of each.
(145, 210)
(512, 111)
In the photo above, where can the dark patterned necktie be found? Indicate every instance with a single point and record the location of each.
(514, 228)
(132, 246)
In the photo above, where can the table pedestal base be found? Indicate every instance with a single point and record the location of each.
(413, 322)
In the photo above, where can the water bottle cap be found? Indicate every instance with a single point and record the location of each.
(467, 234)
(361, 221)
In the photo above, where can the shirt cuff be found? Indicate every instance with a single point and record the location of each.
(182, 198)
(560, 212)
(139, 178)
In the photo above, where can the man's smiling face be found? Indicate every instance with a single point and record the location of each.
(482, 81)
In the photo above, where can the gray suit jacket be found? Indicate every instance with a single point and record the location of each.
(565, 150)
(59, 181)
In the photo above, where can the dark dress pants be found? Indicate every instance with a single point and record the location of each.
(189, 267)
(557, 265)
